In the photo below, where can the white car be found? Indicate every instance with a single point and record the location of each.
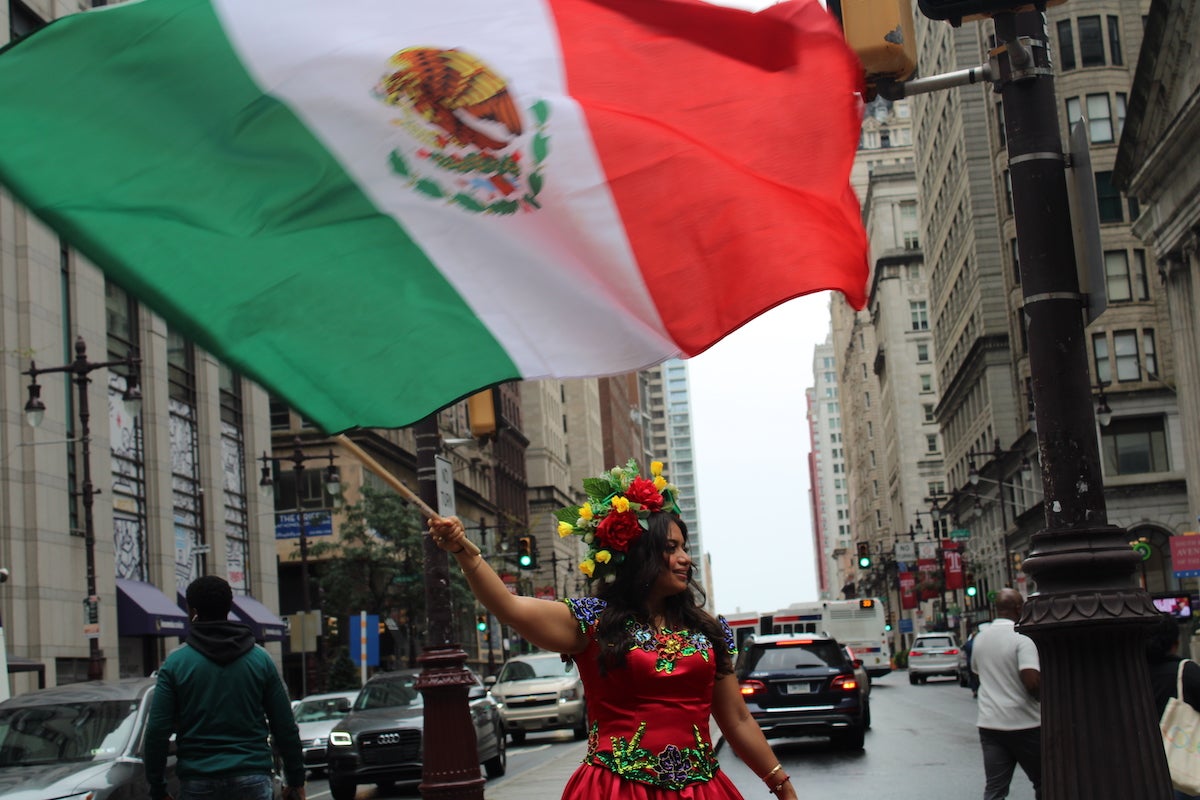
(315, 717)
(932, 654)
(539, 692)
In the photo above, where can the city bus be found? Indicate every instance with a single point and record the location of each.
(858, 624)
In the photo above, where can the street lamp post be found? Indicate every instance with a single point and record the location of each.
(35, 410)
(333, 485)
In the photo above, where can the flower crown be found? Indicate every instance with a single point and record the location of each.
(617, 511)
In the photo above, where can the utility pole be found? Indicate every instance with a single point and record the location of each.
(1088, 616)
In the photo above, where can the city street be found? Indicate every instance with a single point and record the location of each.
(922, 745)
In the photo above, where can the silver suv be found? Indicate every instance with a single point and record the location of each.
(539, 692)
(932, 654)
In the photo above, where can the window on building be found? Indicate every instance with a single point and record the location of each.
(1114, 41)
(936, 488)
(926, 383)
(1125, 355)
(22, 21)
(1016, 261)
(1100, 357)
(1108, 199)
(1091, 42)
(1000, 131)
(1149, 353)
(928, 409)
(870, 430)
(922, 352)
(919, 313)
(233, 456)
(1074, 112)
(867, 399)
(190, 555)
(1099, 114)
(1141, 288)
(1066, 45)
(871, 456)
(1134, 445)
(931, 443)
(1120, 113)
(128, 461)
(1008, 200)
(1116, 276)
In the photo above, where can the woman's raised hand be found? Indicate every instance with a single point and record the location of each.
(448, 533)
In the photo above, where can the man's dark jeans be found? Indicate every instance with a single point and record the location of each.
(1003, 751)
(242, 787)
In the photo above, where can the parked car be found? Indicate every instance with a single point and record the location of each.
(860, 672)
(315, 717)
(379, 741)
(804, 686)
(540, 692)
(83, 740)
(931, 655)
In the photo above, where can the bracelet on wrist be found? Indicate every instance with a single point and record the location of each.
(469, 572)
(772, 771)
(778, 787)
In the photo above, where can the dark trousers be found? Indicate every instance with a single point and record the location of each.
(243, 787)
(1003, 751)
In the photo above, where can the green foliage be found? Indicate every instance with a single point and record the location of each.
(900, 659)
(343, 675)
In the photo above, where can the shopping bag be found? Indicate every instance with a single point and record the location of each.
(1180, 726)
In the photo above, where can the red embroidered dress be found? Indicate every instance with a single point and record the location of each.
(649, 736)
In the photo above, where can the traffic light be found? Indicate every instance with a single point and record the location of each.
(331, 627)
(864, 555)
(955, 11)
(382, 628)
(481, 623)
(887, 623)
(972, 590)
(526, 553)
(881, 34)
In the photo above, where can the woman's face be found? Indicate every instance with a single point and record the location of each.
(677, 564)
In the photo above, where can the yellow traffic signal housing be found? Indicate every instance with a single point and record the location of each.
(481, 414)
(881, 33)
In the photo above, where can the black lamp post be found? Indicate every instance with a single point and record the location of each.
(333, 485)
(35, 410)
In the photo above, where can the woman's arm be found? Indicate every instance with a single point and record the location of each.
(746, 738)
(549, 626)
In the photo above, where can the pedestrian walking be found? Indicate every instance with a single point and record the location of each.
(655, 665)
(221, 696)
(1162, 653)
(1010, 715)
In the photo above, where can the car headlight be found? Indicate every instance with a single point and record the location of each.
(340, 739)
(568, 694)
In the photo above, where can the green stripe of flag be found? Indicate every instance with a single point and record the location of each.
(279, 265)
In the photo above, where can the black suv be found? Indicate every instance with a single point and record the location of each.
(803, 686)
(379, 741)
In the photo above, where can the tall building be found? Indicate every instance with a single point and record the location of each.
(832, 495)
(969, 240)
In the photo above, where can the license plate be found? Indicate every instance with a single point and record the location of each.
(800, 688)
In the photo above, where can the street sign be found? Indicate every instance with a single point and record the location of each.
(316, 523)
(906, 625)
(1085, 223)
(445, 487)
(1185, 556)
(372, 631)
(91, 617)
(960, 533)
(305, 625)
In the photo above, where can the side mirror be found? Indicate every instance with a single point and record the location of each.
(343, 705)
(857, 663)
(476, 692)
(489, 681)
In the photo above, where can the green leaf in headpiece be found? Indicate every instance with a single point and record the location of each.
(597, 487)
(569, 514)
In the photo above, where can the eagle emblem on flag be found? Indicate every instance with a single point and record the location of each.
(467, 139)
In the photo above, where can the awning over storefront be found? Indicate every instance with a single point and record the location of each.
(143, 610)
(262, 621)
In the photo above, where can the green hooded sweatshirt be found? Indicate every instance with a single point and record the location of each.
(221, 695)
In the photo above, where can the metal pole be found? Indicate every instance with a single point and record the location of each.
(306, 615)
(95, 670)
(1088, 617)
(450, 767)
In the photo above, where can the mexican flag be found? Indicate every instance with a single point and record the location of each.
(376, 207)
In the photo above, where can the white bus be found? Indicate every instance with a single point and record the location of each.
(858, 624)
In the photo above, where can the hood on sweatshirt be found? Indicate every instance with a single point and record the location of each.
(222, 641)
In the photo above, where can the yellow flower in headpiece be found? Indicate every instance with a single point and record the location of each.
(588, 567)
(603, 556)
(585, 511)
(660, 482)
(656, 467)
(620, 503)
(565, 529)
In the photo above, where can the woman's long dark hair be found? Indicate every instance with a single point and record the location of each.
(626, 599)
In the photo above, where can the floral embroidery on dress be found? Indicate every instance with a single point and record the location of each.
(673, 768)
(669, 645)
(730, 642)
(586, 610)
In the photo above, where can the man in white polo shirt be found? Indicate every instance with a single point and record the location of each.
(1010, 716)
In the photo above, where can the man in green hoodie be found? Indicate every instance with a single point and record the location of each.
(221, 695)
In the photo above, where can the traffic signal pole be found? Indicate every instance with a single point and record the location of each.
(1100, 737)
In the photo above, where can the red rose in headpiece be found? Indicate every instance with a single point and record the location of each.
(643, 491)
(618, 530)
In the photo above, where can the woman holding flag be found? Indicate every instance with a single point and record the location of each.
(655, 665)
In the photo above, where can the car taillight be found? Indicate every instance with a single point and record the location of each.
(953, 651)
(750, 688)
(915, 653)
(845, 683)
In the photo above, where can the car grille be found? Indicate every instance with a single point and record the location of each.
(531, 700)
(390, 747)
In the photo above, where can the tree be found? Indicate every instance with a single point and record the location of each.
(376, 564)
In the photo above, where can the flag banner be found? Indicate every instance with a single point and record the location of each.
(952, 565)
(908, 590)
(928, 581)
(376, 208)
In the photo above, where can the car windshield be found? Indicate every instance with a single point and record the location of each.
(323, 709)
(933, 642)
(54, 733)
(387, 694)
(815, 654)
(528, 669)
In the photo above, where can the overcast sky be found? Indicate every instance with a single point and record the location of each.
(751, 447)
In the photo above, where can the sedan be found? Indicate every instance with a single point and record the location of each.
(315, 717)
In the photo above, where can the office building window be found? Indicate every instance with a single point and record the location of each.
(1125, 356)
(1016, 260)
(1134, 445)
(1141, 287)
(1149, 357)
(919, 313)
(1100, 357)
(233, 460)
(926, 383)
(1108, 199)
(128, 463)
(1066, 45)
(1116, 274)
(1008, 201)
(1100, 127)
(928, 409)
(931, 443)
(1120, 113)
(922, 352)
(22, 21)
(1091, 42)
(1114, 41)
